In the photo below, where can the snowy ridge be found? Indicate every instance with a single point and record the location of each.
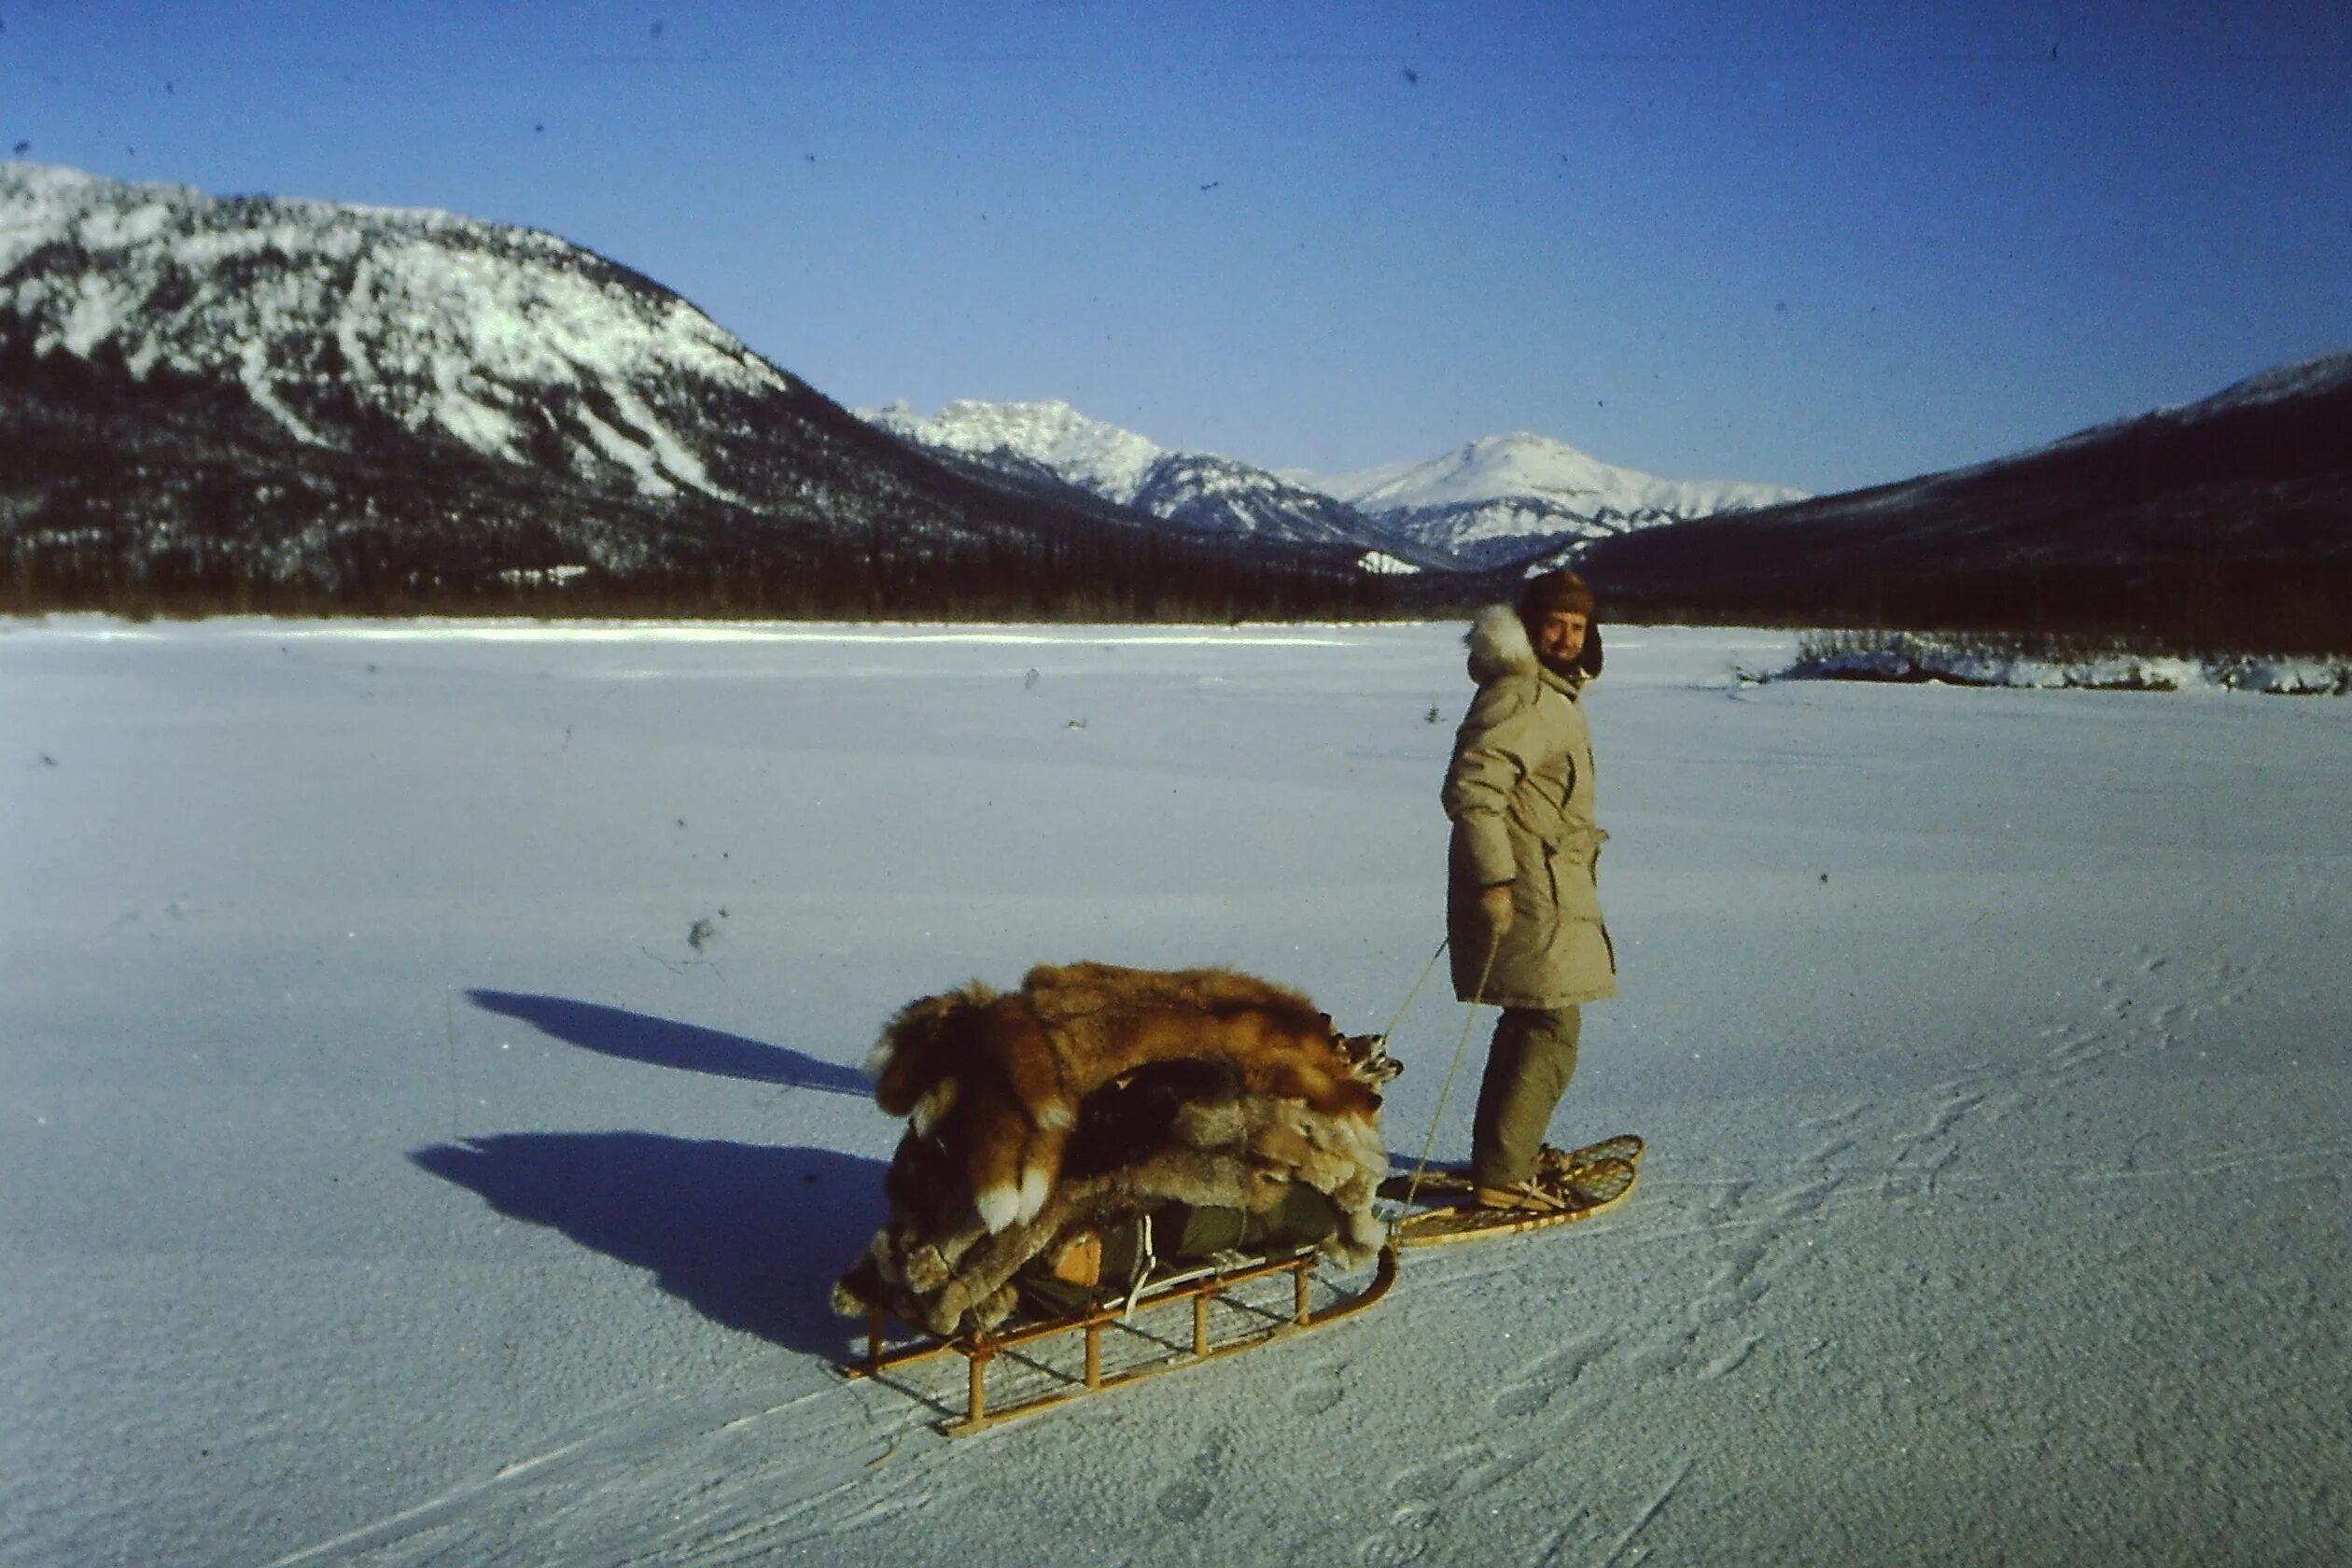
(2099, 532)
(1483, 503)
(1207, 493)
(445, 323)
(2284, 385)
(2308, 378)
(1110, 462)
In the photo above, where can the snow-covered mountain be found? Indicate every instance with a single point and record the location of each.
(1503, 497)
(509, 343)
(207, 390)
(1049, 435)
(1048, 441)
(1489, 503)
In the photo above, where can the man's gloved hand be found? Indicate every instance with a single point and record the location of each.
(1494, 907)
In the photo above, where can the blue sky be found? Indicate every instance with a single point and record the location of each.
(1818, 245)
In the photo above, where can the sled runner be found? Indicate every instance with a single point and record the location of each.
(1597, 1177)
(1237, 1304)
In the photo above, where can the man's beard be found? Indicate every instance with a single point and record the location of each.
(1570, 669)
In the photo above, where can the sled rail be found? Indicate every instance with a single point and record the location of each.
(1201, 1288)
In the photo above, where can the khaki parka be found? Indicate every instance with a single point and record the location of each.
(1519, 792)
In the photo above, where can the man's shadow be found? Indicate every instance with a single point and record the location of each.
(613, 1032)
(749, 1236)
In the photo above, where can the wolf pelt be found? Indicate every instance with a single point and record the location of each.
(1095, 1093)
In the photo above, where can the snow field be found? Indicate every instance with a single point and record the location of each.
(429, 1122)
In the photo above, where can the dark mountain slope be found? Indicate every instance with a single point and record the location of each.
(209, 403)
(2225, 521)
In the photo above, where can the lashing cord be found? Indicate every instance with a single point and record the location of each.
(1445, 1092)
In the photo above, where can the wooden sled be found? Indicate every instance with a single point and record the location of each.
(1209, 1289)
(1439, 1207)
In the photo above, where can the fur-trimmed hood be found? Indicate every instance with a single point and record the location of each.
(1500, 649)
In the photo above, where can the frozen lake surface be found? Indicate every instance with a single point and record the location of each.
(429, 1115)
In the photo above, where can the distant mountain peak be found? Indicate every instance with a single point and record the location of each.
(1498, 498)
(1485, 502)
(1197, 490)
(1522, 463)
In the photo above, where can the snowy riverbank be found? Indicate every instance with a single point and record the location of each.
(429, 1117)
(1961, 660)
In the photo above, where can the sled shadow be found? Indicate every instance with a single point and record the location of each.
(750, 1237)
(613, 1031)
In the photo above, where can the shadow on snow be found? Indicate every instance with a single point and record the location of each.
(613, 1031)
(750, 1237)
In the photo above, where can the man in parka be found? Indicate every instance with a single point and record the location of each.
(1522, 906)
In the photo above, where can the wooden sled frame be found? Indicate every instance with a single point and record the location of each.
(1201, 1287)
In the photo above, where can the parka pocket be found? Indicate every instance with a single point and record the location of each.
(1575, 891)
(1534, 915)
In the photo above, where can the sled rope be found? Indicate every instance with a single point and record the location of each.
(1427, 969)
(1146, 1260)
(1445, 1092)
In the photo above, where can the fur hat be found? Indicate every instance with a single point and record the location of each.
(1501, 637)
(1553, 592)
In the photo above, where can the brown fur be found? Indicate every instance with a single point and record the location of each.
(974, 1071)
(1257, 1091)
(1107, 1021)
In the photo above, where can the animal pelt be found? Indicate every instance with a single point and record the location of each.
(1091, 1095)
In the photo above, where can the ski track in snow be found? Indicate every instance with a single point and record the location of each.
(1866, 1157)
(691, 1483)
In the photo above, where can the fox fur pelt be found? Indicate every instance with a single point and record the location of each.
(1095, 1093)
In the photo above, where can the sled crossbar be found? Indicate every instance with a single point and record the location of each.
(1202, 1288)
